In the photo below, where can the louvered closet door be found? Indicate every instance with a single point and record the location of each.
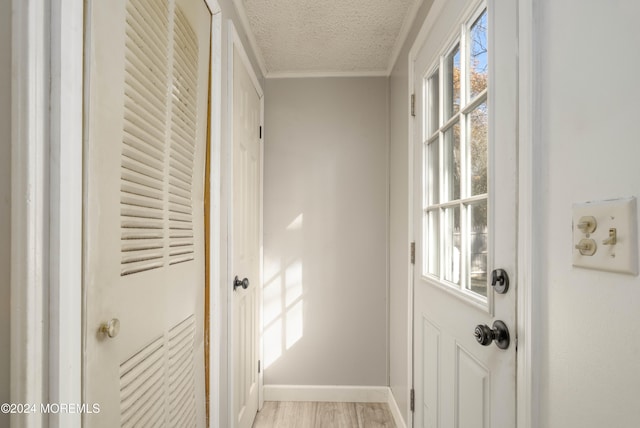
(147, 89)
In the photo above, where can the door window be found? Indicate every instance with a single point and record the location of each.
(455, 151)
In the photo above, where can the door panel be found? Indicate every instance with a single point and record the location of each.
(472, 390)
(465, 228)
(430, 364)
(246, 241)
(146, 122)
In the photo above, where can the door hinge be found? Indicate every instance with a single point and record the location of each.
(413, 253)
(413, 105)
(412, 400)
(258, 366)
(261, 132)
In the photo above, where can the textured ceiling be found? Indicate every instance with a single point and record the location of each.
(316, 36)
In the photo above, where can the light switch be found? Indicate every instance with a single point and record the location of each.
(605, 235)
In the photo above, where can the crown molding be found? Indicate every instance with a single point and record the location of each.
(409, 18)
(244, 21)
(326, 73)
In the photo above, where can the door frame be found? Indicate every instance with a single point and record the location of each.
(47, 98)
(234, 42)
(529, 243)
(46, 204)
(214, 215)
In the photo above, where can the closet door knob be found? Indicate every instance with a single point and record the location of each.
(111, 328)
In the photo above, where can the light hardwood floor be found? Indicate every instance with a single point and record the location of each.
(289, 414)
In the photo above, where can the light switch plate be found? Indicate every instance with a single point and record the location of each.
(618, 214)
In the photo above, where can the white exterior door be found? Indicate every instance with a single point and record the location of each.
(465, 190)
(146, 127)
(246, 253)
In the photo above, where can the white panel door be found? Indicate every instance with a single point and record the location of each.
(465, 190)
(146, 127)
(246, 242)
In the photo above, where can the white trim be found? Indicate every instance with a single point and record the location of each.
(528, 307)
(395, 411)
(425, 30)
(410, 228)
(327, 393)
(65, 208)
(235, 44)
(234, 40)
(29, 158)
(244, 21)
(327, 73)
(407, 23)
(215, 214)
(261, 237)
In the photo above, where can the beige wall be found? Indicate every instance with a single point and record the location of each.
(325, 223)
(5, 200)
(587, 93)
(399, 324)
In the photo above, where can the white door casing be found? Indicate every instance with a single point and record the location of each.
(146, 117)
(458, 382)
(245, 231)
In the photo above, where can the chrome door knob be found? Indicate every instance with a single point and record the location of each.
(111, 328)
(499, 334)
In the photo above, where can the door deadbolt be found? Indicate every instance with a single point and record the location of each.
(499, 334)
(244, 283)
(111, 328)
(500, 281)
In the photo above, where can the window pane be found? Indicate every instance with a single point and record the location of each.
(433, 174)
(479, 58)
(478, 123)
(452, 163)
(433, 242)
(433, 108)
(452, 83)
(478, 234)
(452, 255)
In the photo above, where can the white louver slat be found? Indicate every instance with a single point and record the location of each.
(183, 134)
(182, 411)
(142, 198)
(142, 386)
(158, 153)
(167, 364)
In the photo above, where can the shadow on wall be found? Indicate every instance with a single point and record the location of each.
(283, 303)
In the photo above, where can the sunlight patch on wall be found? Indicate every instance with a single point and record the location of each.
(283, 313)
(296, 224)
(294, 324)
(272, 298)
(272, 342)
(293, 279)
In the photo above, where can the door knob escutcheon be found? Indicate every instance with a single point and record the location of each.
(499, 334)
(111, 328)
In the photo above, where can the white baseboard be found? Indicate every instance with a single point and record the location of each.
(395, 411)
(336, 394)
